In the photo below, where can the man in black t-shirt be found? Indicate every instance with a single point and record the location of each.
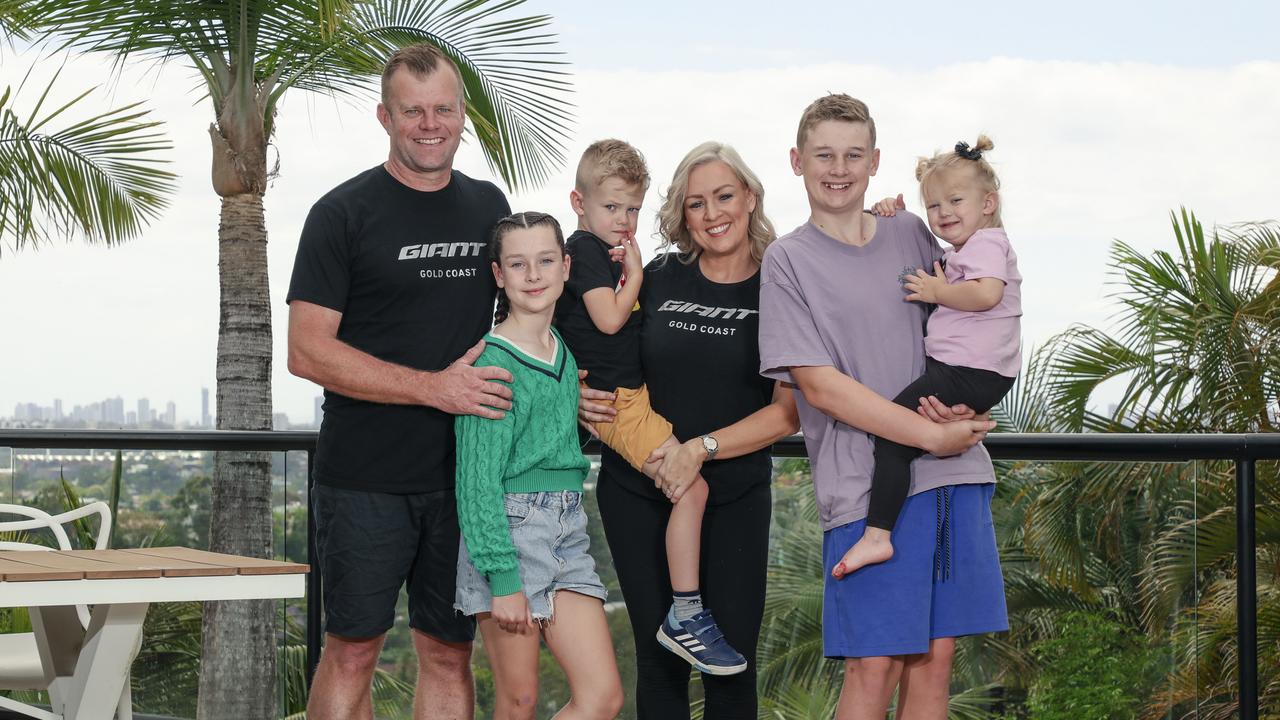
(391, 291)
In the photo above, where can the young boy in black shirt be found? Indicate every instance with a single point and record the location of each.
(597, 316)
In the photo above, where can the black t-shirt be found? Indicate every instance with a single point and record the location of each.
(409, 271)
(700, 349)
(611, 361)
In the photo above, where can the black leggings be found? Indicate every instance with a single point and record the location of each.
(891, 479)
(735, 548)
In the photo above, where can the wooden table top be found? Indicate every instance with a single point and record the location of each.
(34, 566)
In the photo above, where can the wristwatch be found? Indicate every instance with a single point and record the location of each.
(711, 446)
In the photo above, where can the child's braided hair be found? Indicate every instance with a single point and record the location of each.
(526, 220)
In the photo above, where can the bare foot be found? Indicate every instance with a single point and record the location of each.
(874, 547)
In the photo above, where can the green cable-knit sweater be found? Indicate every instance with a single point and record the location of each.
(534, 448)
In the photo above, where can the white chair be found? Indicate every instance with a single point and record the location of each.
(21, 667)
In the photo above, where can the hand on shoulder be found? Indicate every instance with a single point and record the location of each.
(463, 389)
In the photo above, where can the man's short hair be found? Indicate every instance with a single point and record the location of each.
(836, 106)
(421, 59)
(604, 159)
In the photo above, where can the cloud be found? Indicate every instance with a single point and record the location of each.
(1087, 153)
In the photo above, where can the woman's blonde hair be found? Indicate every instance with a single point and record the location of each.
(964, 158)
(671, 222)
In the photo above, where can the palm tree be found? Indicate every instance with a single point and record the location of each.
(63, 175)
(1198, 340)
(247, 55)
(1197, 349)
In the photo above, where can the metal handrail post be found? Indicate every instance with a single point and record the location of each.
(313, 583)
(1247, 588)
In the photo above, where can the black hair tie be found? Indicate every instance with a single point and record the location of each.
(966, 152)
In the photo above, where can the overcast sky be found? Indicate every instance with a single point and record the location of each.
(1105, 118)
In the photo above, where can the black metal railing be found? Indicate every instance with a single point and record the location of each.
(1245, 450)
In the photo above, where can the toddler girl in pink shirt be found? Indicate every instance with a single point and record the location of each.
(974, 340)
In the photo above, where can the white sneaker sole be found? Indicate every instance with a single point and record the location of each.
(688, 657)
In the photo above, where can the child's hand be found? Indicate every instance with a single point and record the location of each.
(923, 286)
(512, 613)
(681, 463)
(889, 207)
(936, 410)
(631, 264)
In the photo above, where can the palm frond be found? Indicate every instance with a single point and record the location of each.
(14, 19)
(798, 700)
(975, 703)
(1026, 408)
(1197, 337)
(100, 178)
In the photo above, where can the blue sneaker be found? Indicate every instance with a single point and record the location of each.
(699, 641)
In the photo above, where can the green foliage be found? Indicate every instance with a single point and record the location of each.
(794, 700)
(190, 507)
(64, 174)
(165, 675)
(1094, 669)
(1197, 347)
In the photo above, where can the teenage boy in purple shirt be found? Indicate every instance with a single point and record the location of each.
(833, 322)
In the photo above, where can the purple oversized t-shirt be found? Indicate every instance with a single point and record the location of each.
(823, 302)
(989, 339)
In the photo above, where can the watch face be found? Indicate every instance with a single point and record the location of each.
(710, 443)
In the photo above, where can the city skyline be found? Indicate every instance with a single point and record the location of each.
(110, 411)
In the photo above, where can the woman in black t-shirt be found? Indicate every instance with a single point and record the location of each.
(701, 364)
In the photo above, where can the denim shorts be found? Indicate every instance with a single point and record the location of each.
(549, 531)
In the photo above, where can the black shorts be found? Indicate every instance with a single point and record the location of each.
(369, 544)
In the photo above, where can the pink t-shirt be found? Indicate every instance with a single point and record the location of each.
(987, 340)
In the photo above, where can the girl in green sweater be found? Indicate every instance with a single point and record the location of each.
(523, 567)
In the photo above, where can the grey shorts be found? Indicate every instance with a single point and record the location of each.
(549, 530)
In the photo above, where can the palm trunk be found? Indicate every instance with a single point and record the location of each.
(238, 666)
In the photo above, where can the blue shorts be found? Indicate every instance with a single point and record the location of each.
(549, 530)
(944, 579)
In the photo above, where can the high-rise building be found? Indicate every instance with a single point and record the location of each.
(113, 410)
(131, 418)
(144, 412)
(57, 409)
(205, 420)
(171, 414)
(279, 421)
